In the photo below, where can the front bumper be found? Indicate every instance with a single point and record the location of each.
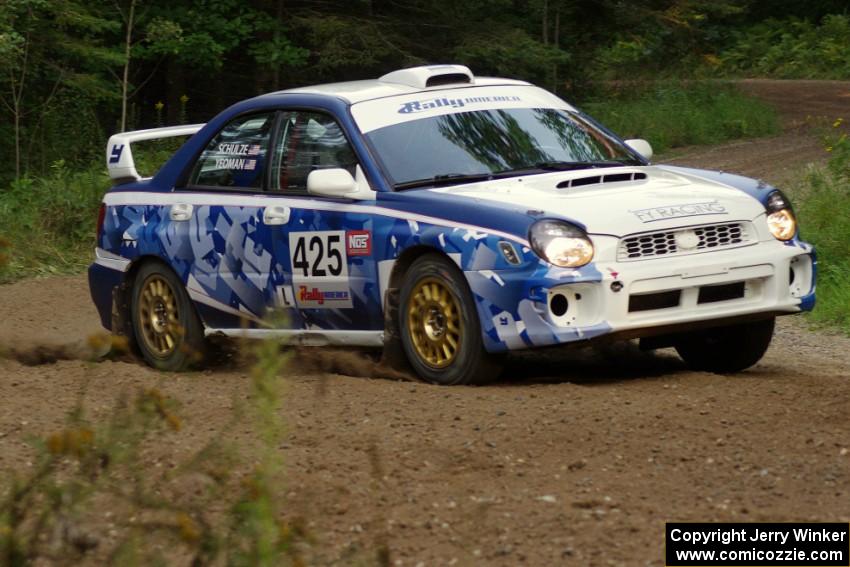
(637, 298)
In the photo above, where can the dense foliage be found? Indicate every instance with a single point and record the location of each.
(792, 49)
(72, 71)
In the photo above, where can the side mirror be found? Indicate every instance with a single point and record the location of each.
(335, 182)
(641, 146)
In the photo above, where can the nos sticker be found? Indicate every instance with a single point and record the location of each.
(320, 269)
(358, 242)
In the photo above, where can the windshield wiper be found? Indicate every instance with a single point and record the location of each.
(445, 179)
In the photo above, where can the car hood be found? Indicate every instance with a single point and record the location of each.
(619, 201)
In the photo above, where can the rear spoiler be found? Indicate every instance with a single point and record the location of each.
(119, 156)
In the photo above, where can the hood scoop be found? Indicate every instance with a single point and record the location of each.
(602, 178)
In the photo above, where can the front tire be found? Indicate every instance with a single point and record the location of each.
(166, 327)
(725, 350)
(439, 326)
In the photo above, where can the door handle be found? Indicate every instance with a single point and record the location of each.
(181, 212)
(276, 215)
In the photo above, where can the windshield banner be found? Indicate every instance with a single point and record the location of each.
(374, 114)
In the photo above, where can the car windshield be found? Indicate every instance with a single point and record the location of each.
(486, 144)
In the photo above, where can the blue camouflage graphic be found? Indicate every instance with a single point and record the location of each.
(233, 265)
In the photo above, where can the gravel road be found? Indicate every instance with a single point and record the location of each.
(577, 459)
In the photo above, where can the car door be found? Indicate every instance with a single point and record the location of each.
(323, 245)
(229, 269)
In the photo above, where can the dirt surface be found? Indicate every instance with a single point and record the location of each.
(572, 459)
(806, 108)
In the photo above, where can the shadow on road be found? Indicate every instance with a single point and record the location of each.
(589, 366)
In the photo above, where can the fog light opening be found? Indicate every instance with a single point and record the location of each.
(559, 305)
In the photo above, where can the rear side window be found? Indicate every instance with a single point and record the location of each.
(236, 157)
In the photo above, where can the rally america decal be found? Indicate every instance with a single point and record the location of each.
(320, 268)
(422, 105)
(315, 297)
(378, 113)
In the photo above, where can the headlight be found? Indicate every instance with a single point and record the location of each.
(560, 243)
(780, 217)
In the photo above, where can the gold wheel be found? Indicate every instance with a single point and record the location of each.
(158, 317)
(434, 323)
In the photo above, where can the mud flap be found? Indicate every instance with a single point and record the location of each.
(122, 325)
(393, 358)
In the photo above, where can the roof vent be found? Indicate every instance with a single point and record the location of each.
(594, 179)
(430, 76)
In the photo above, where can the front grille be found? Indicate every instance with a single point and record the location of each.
(664, 243)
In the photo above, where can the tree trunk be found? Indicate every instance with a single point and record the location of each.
(17, 140)
(17, 98)
(128, 41)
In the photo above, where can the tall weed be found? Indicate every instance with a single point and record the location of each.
(47, 224)
(207, 509)
(824, 211)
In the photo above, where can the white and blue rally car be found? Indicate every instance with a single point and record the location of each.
(459, 216)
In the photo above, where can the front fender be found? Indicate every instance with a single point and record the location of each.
(510, 298)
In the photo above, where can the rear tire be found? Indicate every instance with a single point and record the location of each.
(439, 326)
(168, 331)
(726, 350)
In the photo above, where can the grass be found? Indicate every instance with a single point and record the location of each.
(824, 213)
(47, 223)
(672, 114)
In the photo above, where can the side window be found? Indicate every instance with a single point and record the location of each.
(236, 157)
(308, 141)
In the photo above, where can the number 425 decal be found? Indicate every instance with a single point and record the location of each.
(318, 255)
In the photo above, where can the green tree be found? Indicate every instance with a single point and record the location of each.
(47, 47)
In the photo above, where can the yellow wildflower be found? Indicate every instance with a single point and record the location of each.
(188, 528)
(70, 442)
